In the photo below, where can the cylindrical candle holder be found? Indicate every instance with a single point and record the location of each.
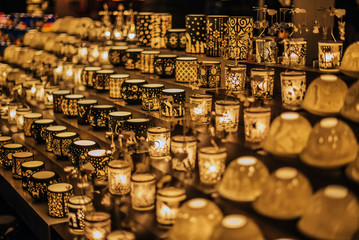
(102, 80)
(165, 65)
(330, 55)
(256, 123)
(168, 201)
(262, 82)
(119, 174)
(78, 208)
(196, 33)
(58, 195)
(183, 149)
(211, 162)
(216, 31)
(186, 69)
(133, 59)
(151, 96)
(131, 90)
(159, 142)
(266, 50)
(61, 144)
(175, 39)
(116, 121)
(295, 52)
(88, 75)
(116, 81)
(98, 116)
(58, 97)
(143, 28)
(99, 159)
(69, 104)
(116, 55)
(97, 225)
(293, 87)
(209, 74)
(49, 134)
(148, 60)
(18, 159)
(201, 107)
(235, 77)
(29, 168)
(20, 112)
(7, 151)
(39, 182)
(48, 97)
(240, 33)
(139, 126)
(79, 150)
(83, 110)
(161, 23)
(38, 129)
(227, 115)
(29, 118)
(143, 191)
(172, 102)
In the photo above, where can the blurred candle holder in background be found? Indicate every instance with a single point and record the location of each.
(211, 162)
(57, 72)
(48, 96)
(78, 208)
(67, 72)
(293, 87)
(330, 55)
(200, 109)
(295, 52)
(143, 191)
(159, 142)
(119, 174)
(29, 118)
(103, 55)
(93, 54)
(69, 104)
(12, 107)
(256, 123)
(235, 77)
(227, 115)
(88, 75)
(97, 225)
(262, 82)
(77, 72)
(184, 149)
(147, 61)
(82, 53)
(168, 200)
(40, 91)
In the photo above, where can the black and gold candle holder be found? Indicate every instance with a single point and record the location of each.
(139, 126)
(165, 65)
(58, 97)
(172, 102)
(148, 60)
(186, 69)
(83, 110)
(58, 195)
(50, 132)
(98, 116)
(102, 80)
(79, 150)
(69, 105)
(88, 75)
(133, 59)
(151, 96)
(5, 140)
(143, 28)
(116, 81)
(240, 33)
(78, 207)
(61, 144)
(116, 55)
(18, 159)
(176, 39)
(29, 119)
(116, 120)
(132, 90)
(99, 159)
(209, 74)
(38, 183)
(196, 31)
(216, 31)
(161, 23)
(7, 151)
(29, 168)
(38, 129)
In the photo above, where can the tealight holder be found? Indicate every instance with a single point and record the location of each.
(148, 60)
(161, 22)
(143, 191)
(58, 97)
(78, 206)
(58, 195)
(12, 107)
(262, 82)
(235, 77)
(97, 225)
(99, 159)
(29, 168)
(98, 116)
(79, 150)
(158, 139)
(240, 33)
(20, 112)
(216, 31)
(69, 105)
(116, 81)
(39, 182)
(116, 55)
(209, 74)
(116, 121)
(139, 126)
(256, 123)
(88, 76)
(133, 59)
(295, 52)
(119, 175)
(293, 87)
(172, 102)
(18, 159)
(266, 50)
(227, 115)
(49, 134)
(38, 129)
(186, 69)
(5, 140)
(61, 144)
(201, 108)
(211, 162)
(168, 200)
(83, 110)
(175, 39)
(196, 32)
(131, 90)
(143, 28)
(165, 65)
(183, 149)
(330, 55)
(7, 151)
(102, 80)
(48, 97)
(151, 96)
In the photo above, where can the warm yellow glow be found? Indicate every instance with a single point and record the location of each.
(58, 69)
(131, 35)
(261, 127)
(69, 72)
(95, 53)
(97, 235)
(198, 110)
(104, 55)
(107, 33)
(33, 89)
(83, 52)
(226, 119)
(212, 169)
(117, 34)
(121, 178)
(165, 211)
(328, 57)
(13, 113)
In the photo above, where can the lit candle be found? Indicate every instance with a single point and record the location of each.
(143, 191)
(256, 124)
(184, 149)
(329, 55)
(97, 225)
(227, 115)
(40, 92)
(262, 82)
(201, 106)
(295, 51)
(57, 74)
(159, 142)
(167, 203)
(119, 173)
(12, 113)
(293, 87)
(211, 163)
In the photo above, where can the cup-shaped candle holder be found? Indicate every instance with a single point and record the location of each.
(39, 182)
(38, 129)
(186, 69)
(88, 76)
(151, 96)
(98, 116)
(83, 110)
(256, 123)
(29, 168)
(20, 112)
(183, 149)
(99, 159)
(58, 195)
(79, 150)
(148, 60)
(293, 87)
(18, 159)
(116, 55)
(266, 50)
(48, 97)
(61, 144)
(116, 121)
(209, 74)
(161, 22)
(143, 191)
(79, 206)
(143, 28)
(133, 59)
(196, 31)
(165, 65)
(172, 102)
(131, 90)
(29, 119)
(119, 177)
(295, 52)
(211, 162)
(7, 151)
(58, 97)
(168, 200)
(97, 225)
(102, 80)
(235, 77)
(5, 140)
(69, 105)
(175, 39)
(139, 126)
(262, 82)
(330, 55)
(49, 134)
(201, 108)
(227, 115)
(159, 142)
(216, 32)
(116, 81)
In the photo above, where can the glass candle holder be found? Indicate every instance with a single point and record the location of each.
(238, 44)
(201, 107)
(116, 121)
(98, 116)
(12, 113)
(216, 32)
(116, 81)
(61, 144)
(78, 208)
(266, 50)
(227, 115)
(99, 159)
(69, 104)
(211, 162)
(40, 91)
(235, 77)
(262, 82)
(131, 90)
(116, 55)
(295, 52)
(151, 96)
(97, 225)
(256, 123)
(143, 191)
(29, 168)
(29, 118)
(148, 60)
(58, 97)
(143, 28)
(49, 134)
(88, 75)
(67, 72)
(102, 80)
(139, 126)
(161, 22)
(58, 196)
(172, 102)
(48, 97)
(209, 74)
(20, 112)
(133, 59)
(5, 140)
(165, 65)
(159, 142)
(175, 39)
(196, 33)
(119, 174)
(38, 129)
(79, 150)
(293, 87)
(186, 69)
(39, 182)
(18, 159)
(184, 149)
(168, 201)
(330, 55)
(83, 110)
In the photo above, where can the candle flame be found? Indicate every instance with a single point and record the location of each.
(69, 72)
(212, 169)
(12, 113)
(165, 211)
(95, 53)
(59, 69)
(131, 35)
(104, 55)
(117, 34)
(328, 57)
(107, 33)
(121, 178)
(97, 234)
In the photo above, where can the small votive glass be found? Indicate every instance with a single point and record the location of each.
(97, 225)
(262, 82)
(58, 196)
(293, 87)
(168, 200)
(201, 107)
(143, 191)
(116, 81)
(227, 115)
(151, 96)
(159, 142)
(184, 149)
(256, 123)
(18, 159)
(99, 159)
(20, 112)
(119, 174)
(78, 208)
(330, 55)
(211, 162)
